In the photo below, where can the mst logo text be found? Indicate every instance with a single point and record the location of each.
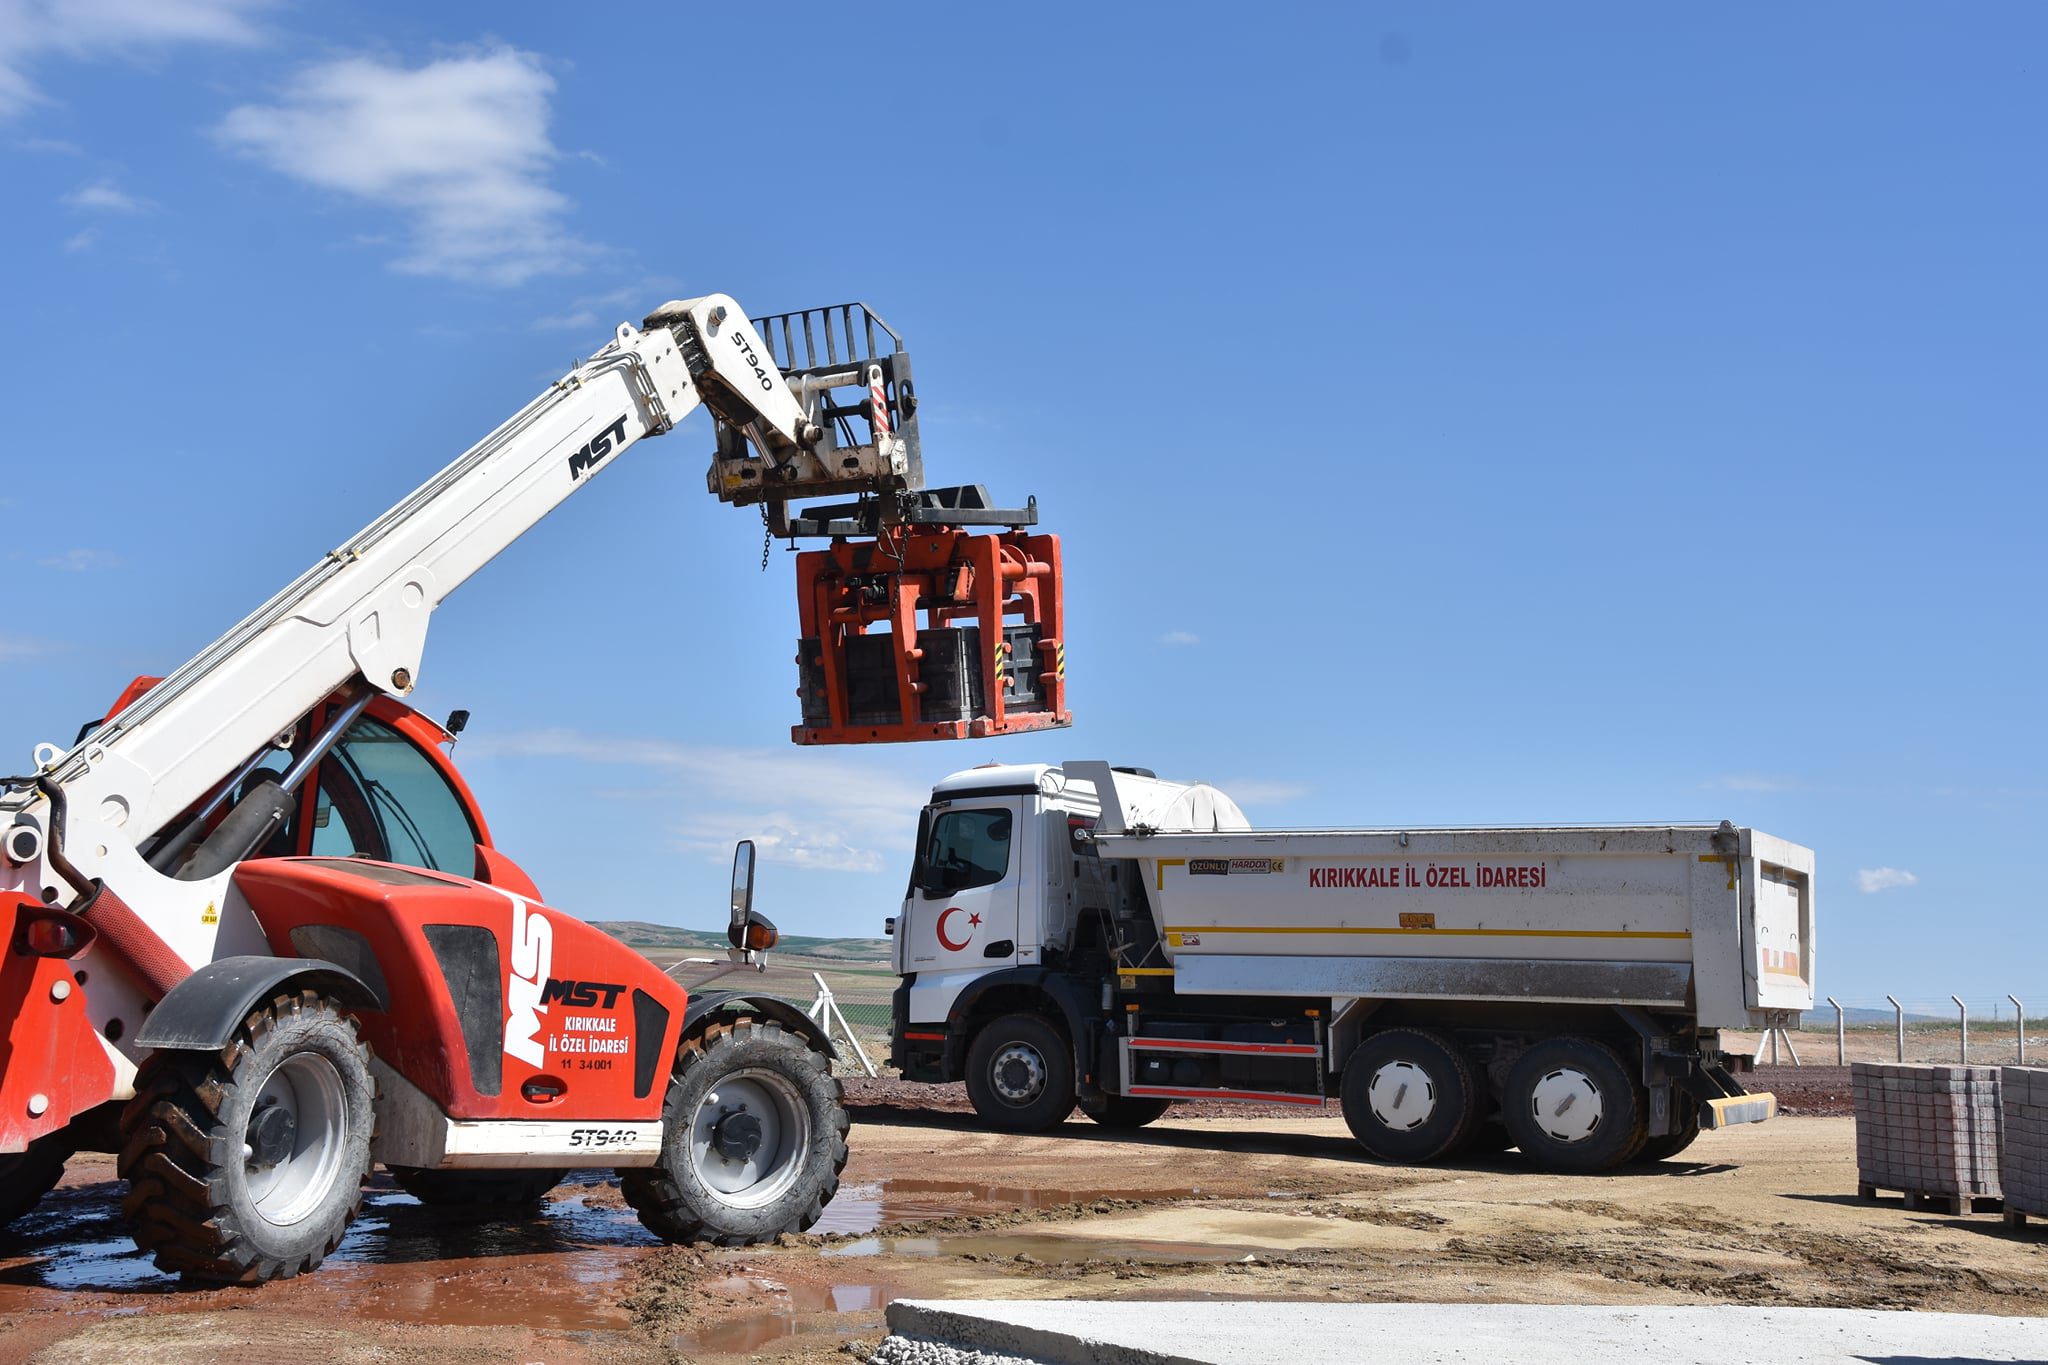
(593, 451)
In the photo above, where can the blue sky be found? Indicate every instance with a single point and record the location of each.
(1500, 413)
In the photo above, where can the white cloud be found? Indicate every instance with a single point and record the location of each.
(105, 196)
(582, 320)
(805, 809)
(81, 240)
(81, 560)
(1180, 637)
(19, 647)
(35, 31)
(1871, 880)
(458, 147)
(636, 300)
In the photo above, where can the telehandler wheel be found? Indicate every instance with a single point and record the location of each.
(1020, 1074)
(1671, 1144)
(25, 1177)
(1409, 1095)
(247, 1164)
(477, 1191)
(1125, 1111)
(753, 1138)
(1573, 1107)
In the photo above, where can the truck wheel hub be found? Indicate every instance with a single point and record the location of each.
(1019, 1073)
(270, 1136)
(1402, 1096)
(1566, 1105)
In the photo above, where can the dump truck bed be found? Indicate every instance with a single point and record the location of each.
(1713, 919)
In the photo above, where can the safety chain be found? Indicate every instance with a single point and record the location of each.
(767, 538)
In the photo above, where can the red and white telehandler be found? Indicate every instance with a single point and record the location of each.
(259, 937)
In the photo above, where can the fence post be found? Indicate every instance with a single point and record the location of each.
(1899, 1013)
(1841, 1035)
(1965, 1009)
(2020, 1027)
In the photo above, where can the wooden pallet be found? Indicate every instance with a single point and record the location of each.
(1941, 1203)
(2017, 1218)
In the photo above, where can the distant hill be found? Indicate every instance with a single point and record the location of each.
(640, 934)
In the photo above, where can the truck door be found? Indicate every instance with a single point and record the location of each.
(962, 911)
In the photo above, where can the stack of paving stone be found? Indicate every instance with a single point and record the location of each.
(1929, 1132)
(2023, 1142)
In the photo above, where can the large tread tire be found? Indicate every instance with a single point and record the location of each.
(1126, 1112)
(514, 1192)
(1578, 1072)
(675, 1201)
(1671, 1144)
(25, 1177)
(1020, 1074)
(1410, 1095)
(190, 1198)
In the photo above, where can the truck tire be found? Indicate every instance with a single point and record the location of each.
(1020, 1074)
(1125, 1111)
(1409, 1095)
(514, 1192)
(247, 1164)
(25, 1177)
(1671, 1144)
(1572, 1106)
(753, 1138)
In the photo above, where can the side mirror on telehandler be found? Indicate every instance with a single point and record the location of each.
(749, 931)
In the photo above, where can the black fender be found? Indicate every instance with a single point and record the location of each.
(1079, 1000)
(790, 1016)
(202, 1012)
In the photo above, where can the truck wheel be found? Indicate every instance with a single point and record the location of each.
(753, 1138)
(512, 1191)
(247, 1164)
(1125, 1111)
(1020, 1074)
(25, 1177)
(1573, 1107)
(1409, 1095)
(1671, 1144)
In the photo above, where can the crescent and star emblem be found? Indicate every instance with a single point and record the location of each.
(973, 922)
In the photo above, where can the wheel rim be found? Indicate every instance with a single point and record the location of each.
(1402, 1096)
(1566, 1105)
(748, 1137)
(1017, 1073)
(293, 1145)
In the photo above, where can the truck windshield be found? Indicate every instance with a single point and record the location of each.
(966, 848)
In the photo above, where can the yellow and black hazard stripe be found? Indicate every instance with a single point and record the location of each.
(1002, 665)
(1060, 658)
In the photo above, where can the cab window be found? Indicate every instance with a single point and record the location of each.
(382, 798)
(966, 849)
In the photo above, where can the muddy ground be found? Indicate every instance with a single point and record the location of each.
(1267, 1206)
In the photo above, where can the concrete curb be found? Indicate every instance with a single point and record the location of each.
(1248, 1333)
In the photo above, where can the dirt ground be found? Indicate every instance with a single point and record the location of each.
(1260, 1206)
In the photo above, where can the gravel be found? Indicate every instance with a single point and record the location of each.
(917, 1351)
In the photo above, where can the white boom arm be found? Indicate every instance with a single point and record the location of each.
(364, 608)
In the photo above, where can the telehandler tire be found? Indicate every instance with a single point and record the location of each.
(1410, 1095)
(753, 1138)
(1126, 1111)
(1020, 1074)
(476, 1191)
(1573, 1107)
(247, 1164)
(25, 1177)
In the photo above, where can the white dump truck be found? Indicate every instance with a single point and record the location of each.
(1094, 936)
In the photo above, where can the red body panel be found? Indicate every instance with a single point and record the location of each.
(579, 1026)
(49, 1048)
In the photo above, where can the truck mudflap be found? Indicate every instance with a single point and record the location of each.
(1729, 1110)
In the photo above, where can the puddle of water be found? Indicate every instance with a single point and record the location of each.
(859, 1209)
(1044, 1248)
(789, 1308)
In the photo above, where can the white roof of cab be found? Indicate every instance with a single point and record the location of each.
(1008, 776)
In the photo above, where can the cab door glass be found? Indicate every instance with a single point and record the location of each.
(378, 789)
(966, 849)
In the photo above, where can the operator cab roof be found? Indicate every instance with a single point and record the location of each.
(993, 779)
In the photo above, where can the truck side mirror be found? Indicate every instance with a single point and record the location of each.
(748, 931)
